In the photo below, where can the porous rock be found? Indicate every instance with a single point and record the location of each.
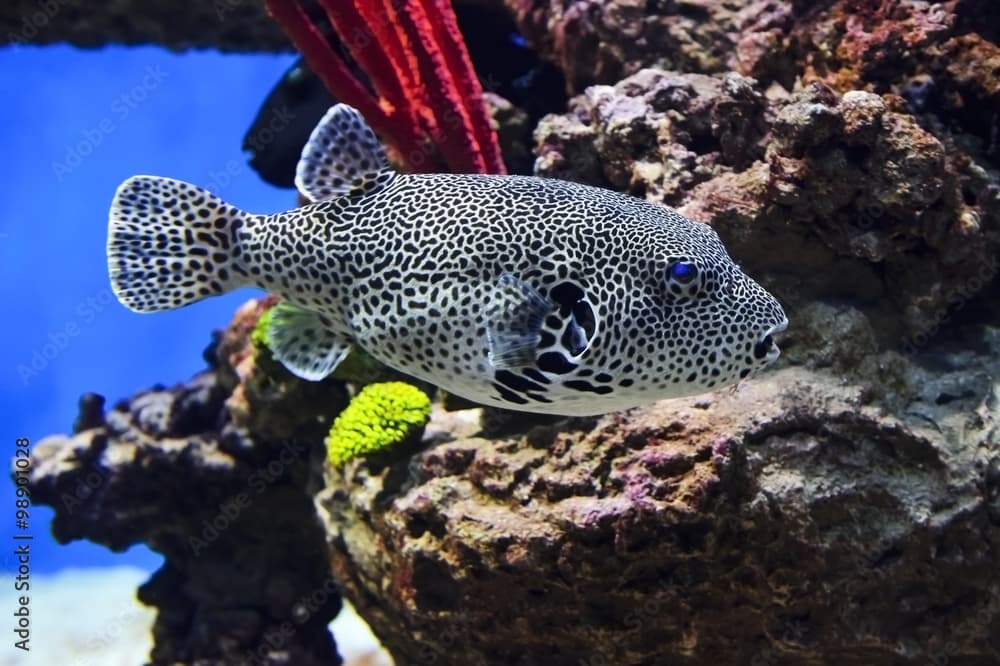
(193, 472)
(807, 517)
(819, 195)
(939, 56)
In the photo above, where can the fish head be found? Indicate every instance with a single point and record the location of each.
(716, 324)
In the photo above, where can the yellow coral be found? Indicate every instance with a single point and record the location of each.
(380, 416)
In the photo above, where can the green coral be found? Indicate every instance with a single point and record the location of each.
(380, 416)
(259, 337)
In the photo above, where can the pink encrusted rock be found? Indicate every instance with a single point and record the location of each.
(792, 520)
(862, 113)
(819, 195)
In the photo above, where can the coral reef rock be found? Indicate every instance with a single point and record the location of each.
(807, 517)
(941, 55)
(228, 25)
(818, 194)
(843, 508)
(218, 475)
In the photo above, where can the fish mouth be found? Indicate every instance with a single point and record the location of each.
(765, 349)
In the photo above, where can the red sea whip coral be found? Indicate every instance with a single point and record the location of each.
(425, 88)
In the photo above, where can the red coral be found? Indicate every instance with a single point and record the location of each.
(425, 87)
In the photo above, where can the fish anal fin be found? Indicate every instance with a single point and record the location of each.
(304, 342)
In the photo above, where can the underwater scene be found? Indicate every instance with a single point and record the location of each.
(514, 332)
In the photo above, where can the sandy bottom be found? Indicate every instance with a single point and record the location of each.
(84, 617)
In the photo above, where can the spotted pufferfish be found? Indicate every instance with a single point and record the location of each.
(527, 293)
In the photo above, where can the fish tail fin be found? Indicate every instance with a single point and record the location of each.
(171, 243)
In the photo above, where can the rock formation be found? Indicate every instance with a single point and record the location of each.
(803, 518)
(216, 474)
(842, 508)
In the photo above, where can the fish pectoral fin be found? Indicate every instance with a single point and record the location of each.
(514, 322)
(342, 158)
(304, 342)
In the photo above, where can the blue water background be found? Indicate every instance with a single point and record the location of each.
(75, 123)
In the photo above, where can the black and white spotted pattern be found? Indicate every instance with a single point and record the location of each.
(171, 243)
(637, 303)
(342, 158)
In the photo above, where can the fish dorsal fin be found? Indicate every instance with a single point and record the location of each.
(342, 158)
(514, 322)
(304, 342)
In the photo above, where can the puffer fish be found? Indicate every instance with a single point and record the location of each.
(527, 293)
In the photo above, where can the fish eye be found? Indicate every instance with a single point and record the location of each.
(683, 272)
